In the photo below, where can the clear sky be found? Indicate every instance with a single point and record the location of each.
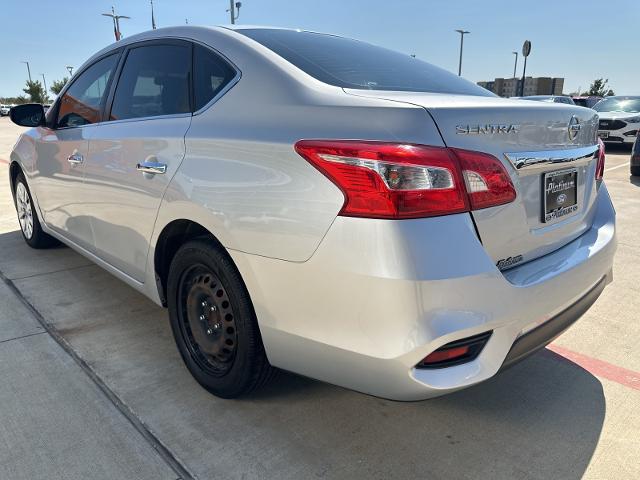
(578, 40)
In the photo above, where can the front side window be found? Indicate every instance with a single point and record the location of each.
(210, 73)
(81, 104)
(154, 82)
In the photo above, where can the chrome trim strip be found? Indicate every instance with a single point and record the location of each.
(529, 159)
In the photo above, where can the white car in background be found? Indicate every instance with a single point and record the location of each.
(619, 119)
(4, 110)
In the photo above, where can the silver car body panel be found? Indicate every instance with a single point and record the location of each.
(539, 131)
(123, 203)
(355, 302)
(400, 289)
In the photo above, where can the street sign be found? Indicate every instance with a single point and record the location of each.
(526, 48)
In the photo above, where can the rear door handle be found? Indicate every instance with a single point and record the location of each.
(151, 167)
(75, 159)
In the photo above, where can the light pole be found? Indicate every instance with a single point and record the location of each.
(28, 69)
(44, 80)
(116, 22)
(153, 18)
(515, 65)
(70, 70)
(462, 34)
(232, 10)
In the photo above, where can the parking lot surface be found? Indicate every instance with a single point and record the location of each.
(93, 387)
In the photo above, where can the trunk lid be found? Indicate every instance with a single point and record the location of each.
(534, 140)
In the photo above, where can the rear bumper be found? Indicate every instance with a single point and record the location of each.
(541, 336)
(379, 296)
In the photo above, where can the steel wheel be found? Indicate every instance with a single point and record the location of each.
(25, 211)
(207, 320)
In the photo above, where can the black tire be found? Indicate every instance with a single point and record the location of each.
(635, 171)
(224, 350)
(27, 217)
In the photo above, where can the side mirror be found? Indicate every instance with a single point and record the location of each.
(28, 115)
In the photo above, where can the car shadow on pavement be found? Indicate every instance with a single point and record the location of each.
(540, 419)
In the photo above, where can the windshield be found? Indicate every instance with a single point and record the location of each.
(627, 105)
(350, 63)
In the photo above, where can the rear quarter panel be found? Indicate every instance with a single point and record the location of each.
(241, 177)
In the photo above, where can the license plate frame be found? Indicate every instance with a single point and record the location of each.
(560, 194)
(603, 134)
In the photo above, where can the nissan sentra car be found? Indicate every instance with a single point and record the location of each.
(321, 205)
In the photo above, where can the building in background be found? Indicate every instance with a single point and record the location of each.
(510, 87)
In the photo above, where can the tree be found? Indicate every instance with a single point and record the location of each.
(599, 88)
(58, 85)
(13, 100)
(36, 92)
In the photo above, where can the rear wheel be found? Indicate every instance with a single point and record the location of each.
(635, 171)
(27, 217)
(213, 321)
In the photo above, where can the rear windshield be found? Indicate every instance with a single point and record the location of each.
(627, 105)
(350, 63)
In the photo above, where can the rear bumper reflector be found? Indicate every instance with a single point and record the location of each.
(456, 353)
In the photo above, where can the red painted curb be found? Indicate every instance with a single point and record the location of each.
(600, 368)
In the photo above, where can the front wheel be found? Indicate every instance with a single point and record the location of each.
(213, 321)
(635, 171)
(27, 217)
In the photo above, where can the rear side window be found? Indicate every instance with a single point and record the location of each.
(353, 64)
(210, 73)
(81, 104)
(154, 81)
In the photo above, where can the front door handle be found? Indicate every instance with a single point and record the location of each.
(75, 159)
(151, 167)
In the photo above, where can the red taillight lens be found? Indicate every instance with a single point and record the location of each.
(601, 159)
(488, 183)
(390, 180)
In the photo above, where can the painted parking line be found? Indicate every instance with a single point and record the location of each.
(617, 166)
(2, 160)
(600, 368)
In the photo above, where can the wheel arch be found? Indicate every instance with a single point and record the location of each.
(14, 170)
(173, 235)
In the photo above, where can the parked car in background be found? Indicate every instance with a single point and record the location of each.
(4, 110)
(322, 205)
(588, 102)
(619, 119)
(635, 157)
(550, 99)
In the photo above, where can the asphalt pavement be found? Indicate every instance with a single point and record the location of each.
(92, 387)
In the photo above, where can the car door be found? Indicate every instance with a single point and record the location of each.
(62, 149)
(134, 154)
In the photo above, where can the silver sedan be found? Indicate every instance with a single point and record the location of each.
(321, 205)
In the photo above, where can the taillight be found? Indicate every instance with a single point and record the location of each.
(488, 183)
(601, 159)
(391, 180)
